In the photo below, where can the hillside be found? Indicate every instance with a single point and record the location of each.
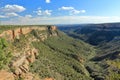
(62, 58)
(42, 53)
(106, 39)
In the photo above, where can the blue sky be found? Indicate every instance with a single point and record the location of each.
(59, 11)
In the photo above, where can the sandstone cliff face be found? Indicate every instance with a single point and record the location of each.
(22, 59)
(16, 33)
(53, 28)
(21, 64)
(11, 34)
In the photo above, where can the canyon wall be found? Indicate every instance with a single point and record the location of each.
(15, 33)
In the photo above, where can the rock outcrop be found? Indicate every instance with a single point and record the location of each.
(53, 28)
(12, 34)
(22, 59)
(9, 34)
(21, 64)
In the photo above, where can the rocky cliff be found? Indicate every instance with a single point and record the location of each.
(23, 57)
(15, 33)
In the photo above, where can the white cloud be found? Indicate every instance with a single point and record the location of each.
(83, 11)
(28, 16)
(12, 8)
(47, 12)
(72, 10)
(11, 11)
(2, 16)
(47, 1)
(66, 8)
(62, 20)
(41, 12)
(8, 15)
(12, 14)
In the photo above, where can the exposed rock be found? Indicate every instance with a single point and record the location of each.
(27, 76)
(17, 33)
(27, 55)
(53, 28)
(4, 75)
(32, 55)
(43, 37)
(17, 71)
(8, 34)
(21, 64)
(26, 30)
(26, 62)
(30, 76)
(11, 34)
(19, 61)
(25, 66)
(24, 70)
(48, 79)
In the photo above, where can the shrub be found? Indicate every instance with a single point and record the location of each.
(5, 55)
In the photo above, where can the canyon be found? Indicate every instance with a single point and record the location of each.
(46, 53)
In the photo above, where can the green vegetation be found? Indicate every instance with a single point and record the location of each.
(62, 58)
(113, 76)
(114, 63)
(5, 55)
(20, 43)
(105, 65)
